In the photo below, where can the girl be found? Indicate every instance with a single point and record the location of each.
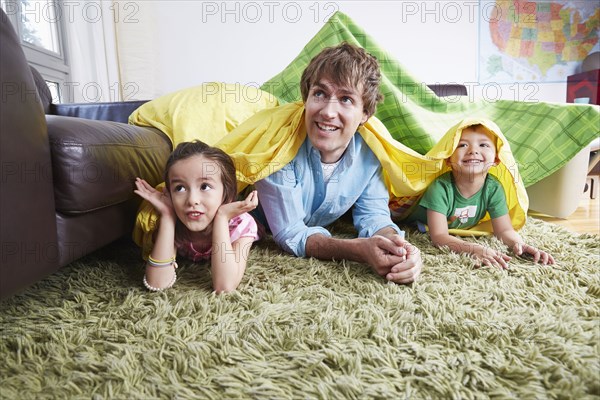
(199, 218)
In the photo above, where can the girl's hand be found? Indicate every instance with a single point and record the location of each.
(538, 255)
(491, 257)
(161, 201)
(231, 210)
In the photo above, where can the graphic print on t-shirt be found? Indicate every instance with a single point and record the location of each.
(463, 214)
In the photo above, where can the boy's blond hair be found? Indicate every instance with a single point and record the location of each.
(481, 127)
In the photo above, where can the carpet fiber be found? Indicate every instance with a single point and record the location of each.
(302, 328)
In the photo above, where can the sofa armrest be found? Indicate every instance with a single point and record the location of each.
(95, 163)
(116, 111)
(28, 241)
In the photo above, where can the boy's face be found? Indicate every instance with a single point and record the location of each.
(475, 153)
(332, 116)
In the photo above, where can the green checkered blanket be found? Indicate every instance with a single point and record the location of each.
(542, 136)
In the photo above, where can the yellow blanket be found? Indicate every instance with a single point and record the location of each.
(206, 112)
(271, 138)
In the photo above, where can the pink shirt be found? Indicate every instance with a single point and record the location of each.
(241, 226)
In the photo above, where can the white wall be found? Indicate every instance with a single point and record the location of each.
(169, 45)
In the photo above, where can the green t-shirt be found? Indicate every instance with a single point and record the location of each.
(443, 196)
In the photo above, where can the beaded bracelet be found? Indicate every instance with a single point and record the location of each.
(155, 289)
(157, 263)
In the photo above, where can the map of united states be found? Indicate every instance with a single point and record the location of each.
(542, 34)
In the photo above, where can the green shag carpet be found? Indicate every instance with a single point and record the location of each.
(302, 328)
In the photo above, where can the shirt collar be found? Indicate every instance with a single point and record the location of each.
(347, 158)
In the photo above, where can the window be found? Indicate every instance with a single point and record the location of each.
(39, 24)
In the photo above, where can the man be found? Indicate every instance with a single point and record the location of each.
(334, 170)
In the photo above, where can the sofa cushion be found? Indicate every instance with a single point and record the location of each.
(95, 163)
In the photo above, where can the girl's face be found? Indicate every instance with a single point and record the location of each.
(196, 191)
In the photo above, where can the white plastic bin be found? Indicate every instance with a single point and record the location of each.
(559, 194)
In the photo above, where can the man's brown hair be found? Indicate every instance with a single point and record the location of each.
(348, 66)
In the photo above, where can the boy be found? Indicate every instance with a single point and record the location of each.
(461, 197)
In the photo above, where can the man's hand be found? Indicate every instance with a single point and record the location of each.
(409, 270)
(393, 258)
(386, 252)
(380, 253)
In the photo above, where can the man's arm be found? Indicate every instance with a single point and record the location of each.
(378, 251)
(371, 212)
(282, 203)
(386, 252)
(394, 258)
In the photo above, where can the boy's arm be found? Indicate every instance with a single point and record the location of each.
(438, 231)
(504, 231)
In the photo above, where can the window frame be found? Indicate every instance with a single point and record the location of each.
(53, 66)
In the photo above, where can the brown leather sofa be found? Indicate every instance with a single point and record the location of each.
(67, 172)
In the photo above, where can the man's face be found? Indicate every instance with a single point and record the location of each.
(333, 114)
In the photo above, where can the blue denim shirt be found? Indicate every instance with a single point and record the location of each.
(297, 203)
